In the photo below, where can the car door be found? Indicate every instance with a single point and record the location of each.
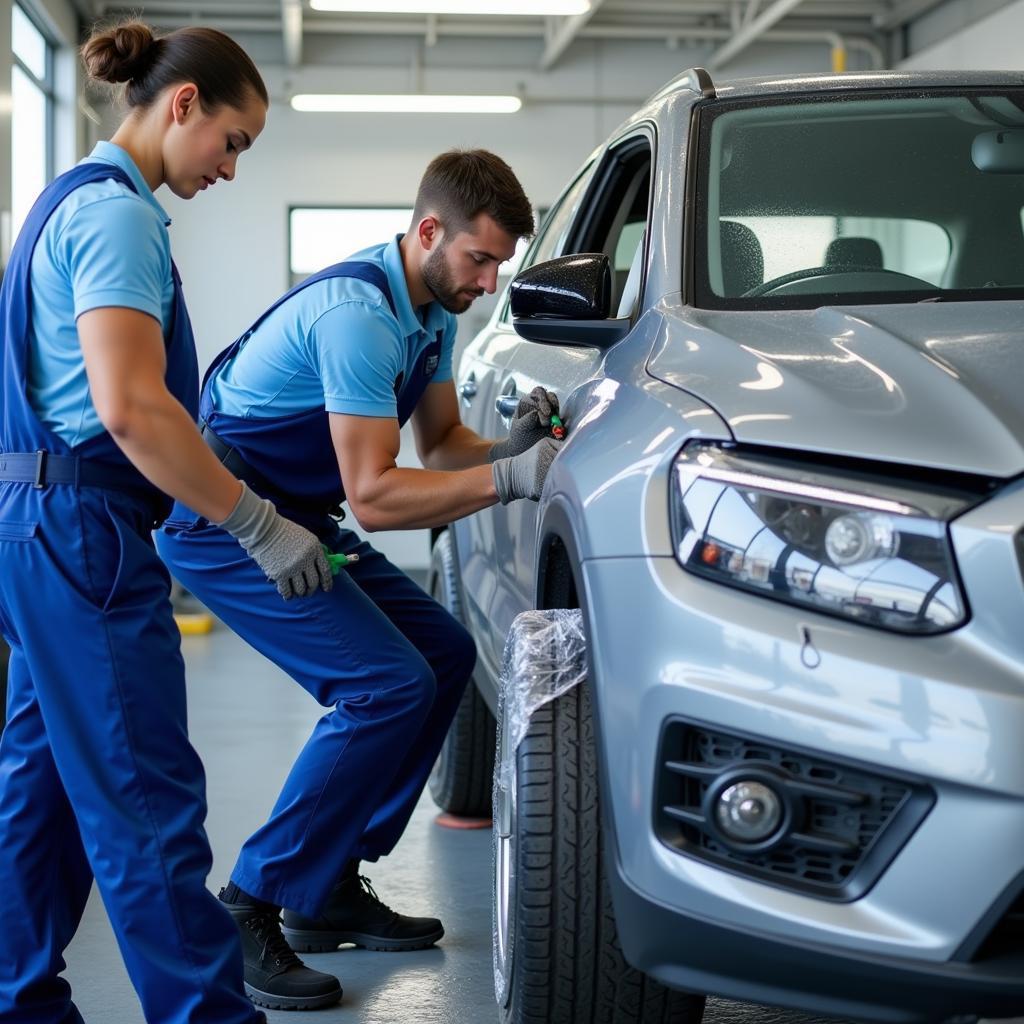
(612, 219)
(482, 369)
(476, 383)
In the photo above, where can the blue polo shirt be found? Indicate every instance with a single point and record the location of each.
(336, 345)
(103, 246)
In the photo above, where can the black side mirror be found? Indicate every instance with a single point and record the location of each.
(566, 301)
(568, 288)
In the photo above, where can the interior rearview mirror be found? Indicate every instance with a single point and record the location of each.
(1000, 152)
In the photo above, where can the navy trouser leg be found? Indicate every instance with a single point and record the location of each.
(85, 598)
(45, 877)
(450, 652)
(368, 758)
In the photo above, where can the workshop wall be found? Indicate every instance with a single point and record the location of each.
(970, 35)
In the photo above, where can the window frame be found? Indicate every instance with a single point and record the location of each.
(615, 162)
(585, 172)
(47, 86)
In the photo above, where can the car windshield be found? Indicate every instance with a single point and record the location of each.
(895, 198)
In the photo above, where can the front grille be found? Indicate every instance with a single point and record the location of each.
(846, 827)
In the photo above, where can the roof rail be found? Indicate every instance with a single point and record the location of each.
(696, 80)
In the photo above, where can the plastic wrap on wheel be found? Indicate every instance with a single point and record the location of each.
(545, 657)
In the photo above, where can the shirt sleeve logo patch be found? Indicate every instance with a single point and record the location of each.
(430, 365)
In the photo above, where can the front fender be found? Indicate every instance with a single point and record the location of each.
(607, 490)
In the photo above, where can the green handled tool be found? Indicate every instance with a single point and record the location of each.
(338, 561)
(557, 427)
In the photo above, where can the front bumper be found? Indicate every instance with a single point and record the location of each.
(946, 710)
(686, 952)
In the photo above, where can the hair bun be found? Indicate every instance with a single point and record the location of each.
(120, 54)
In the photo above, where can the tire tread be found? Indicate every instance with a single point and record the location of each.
(569, 968)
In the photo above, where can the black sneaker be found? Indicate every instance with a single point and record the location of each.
(274, 976)
(354, 913)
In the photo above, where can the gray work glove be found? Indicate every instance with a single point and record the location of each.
(523, 475)
(532, 421)
(289, 554)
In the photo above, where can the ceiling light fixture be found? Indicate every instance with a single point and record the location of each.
(534, 8)
(416, 103)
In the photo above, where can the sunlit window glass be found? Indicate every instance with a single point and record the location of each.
(29, 44)
(28, 129)
(31, 123)
(321, 236)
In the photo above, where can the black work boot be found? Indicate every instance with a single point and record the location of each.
(274, 976)
(354, 913)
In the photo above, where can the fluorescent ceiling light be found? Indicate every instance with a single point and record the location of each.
(535, 8)
(358, 103)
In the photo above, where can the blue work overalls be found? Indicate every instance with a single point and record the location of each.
(97, 776)
(388, 660)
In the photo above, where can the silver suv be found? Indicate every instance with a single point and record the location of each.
(786, 319)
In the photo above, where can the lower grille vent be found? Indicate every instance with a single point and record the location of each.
(841, 827)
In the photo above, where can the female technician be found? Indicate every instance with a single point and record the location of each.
(97, 410)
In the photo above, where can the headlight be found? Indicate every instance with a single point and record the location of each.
(835, 544)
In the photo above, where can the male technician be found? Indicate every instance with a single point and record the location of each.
(306, 408)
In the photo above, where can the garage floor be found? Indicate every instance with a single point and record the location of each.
(247, 721)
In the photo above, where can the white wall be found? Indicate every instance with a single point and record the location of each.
(995, 42)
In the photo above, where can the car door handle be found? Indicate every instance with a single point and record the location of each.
(506, 406)
(468, 388)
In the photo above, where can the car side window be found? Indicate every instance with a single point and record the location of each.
(553, 232)
(616, 221)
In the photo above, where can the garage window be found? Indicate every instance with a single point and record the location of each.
(32, 92)
(322, 235)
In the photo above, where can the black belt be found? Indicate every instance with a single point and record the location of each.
(42, 468)
(232, 460)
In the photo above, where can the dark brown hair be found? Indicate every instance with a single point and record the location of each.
(459, 185)
(130, 52)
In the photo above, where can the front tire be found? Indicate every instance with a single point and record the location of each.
(461, 780)
(557, 958)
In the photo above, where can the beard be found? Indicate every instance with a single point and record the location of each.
(437, 276)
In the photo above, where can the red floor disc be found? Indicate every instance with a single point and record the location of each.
(454, 821)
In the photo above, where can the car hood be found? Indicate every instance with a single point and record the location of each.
(932, 384)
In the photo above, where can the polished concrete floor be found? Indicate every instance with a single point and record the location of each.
(248, 721)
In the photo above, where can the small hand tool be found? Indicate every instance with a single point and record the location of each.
(338, 561)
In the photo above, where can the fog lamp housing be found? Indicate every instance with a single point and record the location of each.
(749, 811)
(749, 808)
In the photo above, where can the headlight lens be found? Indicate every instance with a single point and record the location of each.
(872, 554)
